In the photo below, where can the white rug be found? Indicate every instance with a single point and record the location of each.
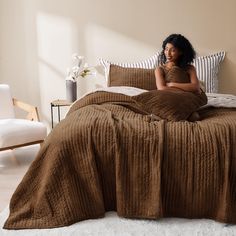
(112, 225)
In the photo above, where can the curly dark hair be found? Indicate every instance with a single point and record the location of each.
(182, 44)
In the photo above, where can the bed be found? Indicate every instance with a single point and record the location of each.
(129, 150)
(111, 154)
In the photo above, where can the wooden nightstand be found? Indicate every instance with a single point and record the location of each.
(58, 103)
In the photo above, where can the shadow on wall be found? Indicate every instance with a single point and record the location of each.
(227, 76)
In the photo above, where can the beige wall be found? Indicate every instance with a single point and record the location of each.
(38, 37)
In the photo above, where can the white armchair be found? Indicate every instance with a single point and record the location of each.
(15, 132)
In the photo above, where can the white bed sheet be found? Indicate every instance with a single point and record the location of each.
(214, 99)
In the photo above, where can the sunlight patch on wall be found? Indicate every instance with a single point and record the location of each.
(54, 35)
(104, 42)
(54, 41)
(114, 46)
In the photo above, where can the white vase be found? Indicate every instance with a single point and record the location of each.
(71, 90)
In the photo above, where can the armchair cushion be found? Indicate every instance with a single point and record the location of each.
(20, 131)
(6, 104)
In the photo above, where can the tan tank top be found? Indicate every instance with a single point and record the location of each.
(175, 74)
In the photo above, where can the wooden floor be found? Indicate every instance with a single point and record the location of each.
(11, 173)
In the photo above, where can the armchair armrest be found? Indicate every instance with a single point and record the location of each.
(32, 111)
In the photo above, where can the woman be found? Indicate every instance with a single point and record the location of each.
(176, 71)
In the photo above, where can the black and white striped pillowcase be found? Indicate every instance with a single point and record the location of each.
(207, 68)
(150, 63)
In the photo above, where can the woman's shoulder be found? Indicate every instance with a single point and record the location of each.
(160, 68)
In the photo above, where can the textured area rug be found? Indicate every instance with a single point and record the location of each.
(112, 225)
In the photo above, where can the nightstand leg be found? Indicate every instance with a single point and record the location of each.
(58, 104)
(52, 115)
(58, 110)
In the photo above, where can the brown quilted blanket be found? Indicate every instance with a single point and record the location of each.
(105, 157)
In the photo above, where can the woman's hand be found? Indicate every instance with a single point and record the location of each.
(170, 84)
(160, 81)
(173, 85)
(193, 86)
(188, 87)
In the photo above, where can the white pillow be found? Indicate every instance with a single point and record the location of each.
(149, 63)
(207, 68)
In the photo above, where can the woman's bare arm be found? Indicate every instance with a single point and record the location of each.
(160, 81)
(193, 86)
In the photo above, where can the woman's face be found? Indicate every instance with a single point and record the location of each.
(171, 53)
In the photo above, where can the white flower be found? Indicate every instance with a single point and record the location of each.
(78, 60)
(79, 69)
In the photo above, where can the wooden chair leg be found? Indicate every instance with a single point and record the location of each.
(14, 159)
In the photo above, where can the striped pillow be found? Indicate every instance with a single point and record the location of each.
(207, 68)
(150, 63)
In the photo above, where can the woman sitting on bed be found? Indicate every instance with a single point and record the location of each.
(176, 71)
